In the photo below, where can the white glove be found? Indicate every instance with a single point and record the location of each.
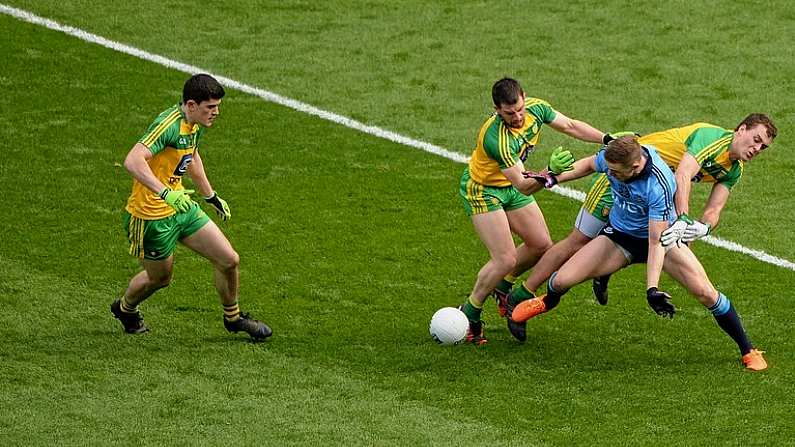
(694, 231)
(674, 233)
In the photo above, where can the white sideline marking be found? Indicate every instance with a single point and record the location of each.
(330, 116)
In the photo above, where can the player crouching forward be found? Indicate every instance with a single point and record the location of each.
(160, 211)
(643, 190)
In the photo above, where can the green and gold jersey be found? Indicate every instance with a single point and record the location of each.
(499, 146)
(709, 145)
(172, 141)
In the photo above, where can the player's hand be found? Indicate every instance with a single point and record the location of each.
(660, 302)
(220, 206)
(179, 199)
(696, 230)
(560, 161)
(673, 234)
(608, 137)
(548, 180)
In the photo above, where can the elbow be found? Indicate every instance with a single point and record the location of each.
(129, 164)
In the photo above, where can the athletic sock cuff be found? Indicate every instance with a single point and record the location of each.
(722, 306)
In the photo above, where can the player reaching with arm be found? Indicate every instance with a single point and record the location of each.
(497, 195)
(644, 189)
(160, 212)
(698, 152)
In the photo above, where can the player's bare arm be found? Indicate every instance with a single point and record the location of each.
(576, 128)
(136, 164)
(687, 169)
(582, 168)
(654, 262)
(526, 186)
(198, 175)
(718, 198)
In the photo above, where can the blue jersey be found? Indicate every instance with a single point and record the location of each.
(649, 195)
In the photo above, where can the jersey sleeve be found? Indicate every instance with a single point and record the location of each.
(661, 201)
(700, 143)
(540, 109)
(497, 145)
(733, 176)
(159, 135)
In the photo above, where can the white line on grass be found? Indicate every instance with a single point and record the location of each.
(330, 116)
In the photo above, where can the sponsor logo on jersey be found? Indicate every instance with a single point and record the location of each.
(182, 166)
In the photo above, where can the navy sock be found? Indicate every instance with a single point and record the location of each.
(729, 321)
(553, 295)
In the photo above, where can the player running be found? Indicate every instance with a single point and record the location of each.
(643, 191)
(160, 211)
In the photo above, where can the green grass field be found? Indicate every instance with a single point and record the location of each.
(349, 243)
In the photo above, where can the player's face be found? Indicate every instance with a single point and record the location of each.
(624, 172)
(512, 114)
(749, 142)
(203, 113)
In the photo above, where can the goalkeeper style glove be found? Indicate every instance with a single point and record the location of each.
(179, 199)
(674, 233)
(560, 161)
(608, 137)
(548, 180)
(220, 205)
(660, 302)
(696, 230)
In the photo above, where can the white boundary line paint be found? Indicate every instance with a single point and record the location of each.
(329, 116)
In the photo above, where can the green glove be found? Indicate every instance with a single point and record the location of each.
(560, 161)
(608, 137)
(179, 199)
(220, 206)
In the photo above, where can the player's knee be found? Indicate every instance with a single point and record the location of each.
(545, 246)
(161, 280)
(230, 261)
(706, 295)
(506, 262)
(577, 240)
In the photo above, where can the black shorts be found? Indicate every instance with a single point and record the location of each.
(636, 248)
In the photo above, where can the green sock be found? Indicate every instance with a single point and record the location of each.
(521, 294)
(472, 311)
(506, 284)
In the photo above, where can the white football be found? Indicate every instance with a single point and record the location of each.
(449, 326)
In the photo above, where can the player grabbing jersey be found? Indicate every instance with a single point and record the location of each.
(643, 192)
(497, 195)
(698, 152)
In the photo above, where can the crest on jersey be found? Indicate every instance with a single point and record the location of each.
(182, 166)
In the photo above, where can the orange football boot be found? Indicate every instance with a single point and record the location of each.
(528, 309)
(754, 360)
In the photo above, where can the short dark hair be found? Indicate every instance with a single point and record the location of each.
(624, 150)
(759, 118)
(202, 87)
(506, 91)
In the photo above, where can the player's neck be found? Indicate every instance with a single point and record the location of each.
(184, 109)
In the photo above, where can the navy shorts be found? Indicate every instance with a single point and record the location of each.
(635, 249)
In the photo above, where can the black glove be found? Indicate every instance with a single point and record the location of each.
(608, 137)
(660, 302)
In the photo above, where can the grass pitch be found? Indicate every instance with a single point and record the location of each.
(349, 243)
